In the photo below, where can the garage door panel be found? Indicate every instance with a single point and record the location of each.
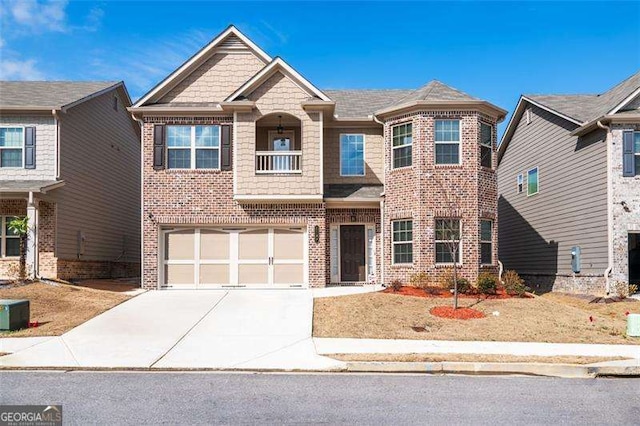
(179, 245)
(179, 274)
(253, 274)
(214, 245)
(214, 274)
(288, 274)
(288, 244)
(253, 244)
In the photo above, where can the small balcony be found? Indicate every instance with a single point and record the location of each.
(268, 162)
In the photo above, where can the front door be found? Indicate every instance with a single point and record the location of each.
(634, 258)
(352, 253)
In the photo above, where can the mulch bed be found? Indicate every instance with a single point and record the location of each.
(437, 292)
(460, 313)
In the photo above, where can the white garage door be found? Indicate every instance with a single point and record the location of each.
(225, 257)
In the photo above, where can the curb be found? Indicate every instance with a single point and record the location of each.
(495, 368)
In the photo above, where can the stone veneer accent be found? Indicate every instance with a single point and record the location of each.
(419, 192)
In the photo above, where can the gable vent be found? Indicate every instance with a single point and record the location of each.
(232, 42)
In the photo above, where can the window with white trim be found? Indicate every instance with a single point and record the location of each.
(402, 231)
(486, 146)
(486, 242)
(520, 183)
(532, 181)
(351, 155)
(193, 147)
(11, 146)
(448, 240)
(447, 141)
(402, 145)
(9, 241)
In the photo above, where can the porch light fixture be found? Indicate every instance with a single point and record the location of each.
(280, 129)
(316, 234)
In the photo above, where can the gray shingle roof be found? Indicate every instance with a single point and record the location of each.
(47, 94)
(26, 185)
(436, 91)
(346, 190)
(352, 103)
(585, 108)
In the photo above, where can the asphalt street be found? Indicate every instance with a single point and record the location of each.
(232, 398)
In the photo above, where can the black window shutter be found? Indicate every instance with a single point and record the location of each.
(628, 155)
(158, 147)
(226, 147)
(29, 147)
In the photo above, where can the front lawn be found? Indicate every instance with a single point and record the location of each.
(550, 318)
(59, 308)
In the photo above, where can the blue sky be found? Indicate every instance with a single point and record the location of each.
(492, 50)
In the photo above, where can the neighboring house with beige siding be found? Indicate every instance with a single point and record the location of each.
(70, 161)
(254, 177)
(569, 186)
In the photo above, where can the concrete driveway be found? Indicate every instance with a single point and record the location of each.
(238, 329)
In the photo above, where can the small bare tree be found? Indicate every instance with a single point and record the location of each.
(20, 226)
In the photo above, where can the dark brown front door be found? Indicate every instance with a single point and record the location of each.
(352, 253)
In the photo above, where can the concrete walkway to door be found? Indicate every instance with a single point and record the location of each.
(238, 329)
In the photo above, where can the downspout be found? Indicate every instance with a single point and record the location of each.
(607, 272)
(56, 118)
(141, 122)
(382, 220)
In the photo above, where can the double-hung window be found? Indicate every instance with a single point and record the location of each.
(520, 183)
(193, 147)
(448, 240)
(532, 181)
(9, 241)
(486, 132)
(402, 241)
(351, 155)
(486, 242)
(402, 143)
(447, 141)
(11, 146)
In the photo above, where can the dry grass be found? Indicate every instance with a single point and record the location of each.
(60, 308)
(473, 358)
(550, 318)
(118, 286)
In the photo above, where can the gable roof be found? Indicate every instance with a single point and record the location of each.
(582, 110)
(229, 39)
(436, 91)
(278, 64)
(359, 103)
(49, 95)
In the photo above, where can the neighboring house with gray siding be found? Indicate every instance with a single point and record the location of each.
(70, 161)
(569, 190)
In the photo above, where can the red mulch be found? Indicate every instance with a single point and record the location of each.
(460, 313)
(437, 292)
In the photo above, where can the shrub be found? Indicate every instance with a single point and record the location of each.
(621, 289)
(633, 288)
(396, 285)
(419, 280)
(445, 278)
(513, 284)
(487, 283)
(464, 286)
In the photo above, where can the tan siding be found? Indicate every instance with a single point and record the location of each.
(100, 162)
(278, 94)
(373, 151)
(215, 79)
(536, 233)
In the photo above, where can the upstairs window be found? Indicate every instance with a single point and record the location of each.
(519, 183)
(402, 241)
(193, 147)
(532, 181)
(352, 155)
(447, 141)
(402, 142)
(486, 146)
(486, 242)
(448, 240)
(11, 146)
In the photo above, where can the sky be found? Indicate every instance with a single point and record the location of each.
(491, 50)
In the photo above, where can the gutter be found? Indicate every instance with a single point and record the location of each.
(382, 218)
(607, 272)
(56, 118)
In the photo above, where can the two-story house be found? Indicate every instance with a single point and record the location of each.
(569, 185)
(70, 161)
(253, 176)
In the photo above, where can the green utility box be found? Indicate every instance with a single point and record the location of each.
(14, 314)
(633, 325)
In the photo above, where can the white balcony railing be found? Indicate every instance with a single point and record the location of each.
(278, 162)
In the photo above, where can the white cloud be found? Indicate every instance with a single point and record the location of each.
(19, 70)
(39, 16)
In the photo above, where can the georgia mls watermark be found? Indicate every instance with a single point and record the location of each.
(30, 415)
